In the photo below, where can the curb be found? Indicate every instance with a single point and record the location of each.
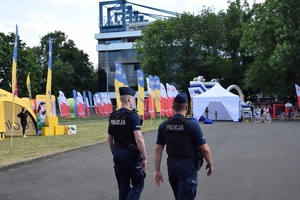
(47, 157)
(51, 156)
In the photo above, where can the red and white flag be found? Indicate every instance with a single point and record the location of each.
(172, 93)
(164, 101)
(80, 105)
(298, 94)
(95, 105)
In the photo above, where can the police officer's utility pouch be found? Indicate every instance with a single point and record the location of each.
(198, 161)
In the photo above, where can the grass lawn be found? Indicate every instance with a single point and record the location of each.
(88, 131)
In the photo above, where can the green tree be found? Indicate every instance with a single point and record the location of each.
(211, 42)
(271, 36)
(26, 62)
(156, 49)
(71, 66)
(236, 15)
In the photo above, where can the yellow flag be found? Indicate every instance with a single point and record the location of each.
(48, 86)
(29, 90)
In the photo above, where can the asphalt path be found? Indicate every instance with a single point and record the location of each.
(251, 161)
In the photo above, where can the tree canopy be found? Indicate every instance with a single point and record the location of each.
(254, 47)
(71, 68)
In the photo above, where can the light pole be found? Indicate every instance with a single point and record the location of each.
(106, 59)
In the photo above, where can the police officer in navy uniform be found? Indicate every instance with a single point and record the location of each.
(184, 140)
(127, 145)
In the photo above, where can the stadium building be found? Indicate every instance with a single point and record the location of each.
(119, 27)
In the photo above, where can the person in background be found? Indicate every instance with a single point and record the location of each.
(186, 147)
(216, 116)
(206, 112)
(23, 116)
(127, 145)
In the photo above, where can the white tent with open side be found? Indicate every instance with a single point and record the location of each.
(217, 99)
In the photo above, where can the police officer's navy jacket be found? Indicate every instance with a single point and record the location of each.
(122, 123)
(181, 137)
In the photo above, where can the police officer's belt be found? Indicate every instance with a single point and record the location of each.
(181, 158)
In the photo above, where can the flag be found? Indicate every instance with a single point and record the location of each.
(91, 101)
(156, 80)
(172, 92)
(14, 73)
(103, 104)
(125, 82)
(151, 96)
(119, 82)
(84, 101)
(110, 109)
(140, 99)
(28, 84)
(95, 105)
(88, 108)
(48, 86)
(99, 106)
(63, 105)
(298, 94)
(164, 101)
(80, 105)
(75, 101)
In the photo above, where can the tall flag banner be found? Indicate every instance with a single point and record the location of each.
(170, 100)
(28, 84)
(14, 73)
(88, 110)
(125, 82)
(49, 83)
(298, 94)
(63, 103)
(80, 105)
(91, 100)
(151, 96)
(95, 105)
(157, 93)
(164, 101)
(84, 101)
(108, 104)
(140, 98)
(110, 109)
(119, 82)
(99, 106)
(75, 101)
(172, 92)
(103, 104)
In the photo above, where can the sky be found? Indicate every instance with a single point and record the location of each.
(78, 19)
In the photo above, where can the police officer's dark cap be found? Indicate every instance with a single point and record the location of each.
(181, 98)
(126, 91)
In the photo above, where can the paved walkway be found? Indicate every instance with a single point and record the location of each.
(252, 161)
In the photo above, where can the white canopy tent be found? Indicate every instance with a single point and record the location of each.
(217, 99)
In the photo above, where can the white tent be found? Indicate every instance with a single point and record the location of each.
(217, 99)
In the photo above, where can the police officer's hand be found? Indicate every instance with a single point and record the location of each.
(210, 169)
(144, 164)
(157, 178)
